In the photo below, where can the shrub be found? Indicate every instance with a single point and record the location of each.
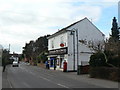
(97, 59)
(113, 59)
(105, 73)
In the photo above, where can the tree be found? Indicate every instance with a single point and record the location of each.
(33, 49)
(111, 51)
(114, 31)
(5, 57)
(112, 46)
(28, 50)
(97, 60)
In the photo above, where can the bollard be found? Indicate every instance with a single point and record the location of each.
(78, 70)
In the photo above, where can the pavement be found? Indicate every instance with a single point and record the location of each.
(5, 81)
(85, 78)
(0, 77)
(95, 81)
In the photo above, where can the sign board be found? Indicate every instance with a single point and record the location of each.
(58, 51)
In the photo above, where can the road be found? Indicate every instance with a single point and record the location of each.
(27, 76)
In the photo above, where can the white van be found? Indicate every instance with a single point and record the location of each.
(15, 62)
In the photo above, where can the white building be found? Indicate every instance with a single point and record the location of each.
(72, 44)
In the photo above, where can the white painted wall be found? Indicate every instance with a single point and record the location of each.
(57, 41)
(86, 31)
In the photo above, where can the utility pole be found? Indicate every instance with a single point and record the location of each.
(73, 33)
(9, 47)
(77, 47)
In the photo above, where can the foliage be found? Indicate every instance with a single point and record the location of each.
(97, 59)
(42, 57)
(112, 50)
(33, 49)
(111, 53)
(35, 62)
(105, 73)
(105, 63)
(114, 30)
(5, 57)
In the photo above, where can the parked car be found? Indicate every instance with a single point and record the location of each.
(15, 64)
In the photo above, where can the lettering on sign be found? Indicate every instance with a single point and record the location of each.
(58, 51)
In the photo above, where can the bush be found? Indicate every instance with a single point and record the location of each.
(113, 59)
(105, 73)
(97, 60)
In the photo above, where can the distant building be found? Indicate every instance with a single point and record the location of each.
(72, 44)
(14, 57)
(119, 13)
(1, 50)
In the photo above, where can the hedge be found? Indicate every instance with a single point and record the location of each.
(109, 73)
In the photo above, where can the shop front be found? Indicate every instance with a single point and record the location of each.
(56, 58)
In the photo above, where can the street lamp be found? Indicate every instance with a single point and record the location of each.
(119, 31)
(73, 32)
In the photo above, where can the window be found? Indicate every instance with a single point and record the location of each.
(52, 44)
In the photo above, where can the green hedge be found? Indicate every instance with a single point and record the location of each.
(105, 73)
(97, 60)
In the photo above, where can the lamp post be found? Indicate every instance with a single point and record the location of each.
(78, 71)
(119, 31)
(73, 32)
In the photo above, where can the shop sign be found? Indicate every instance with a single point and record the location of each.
(58, 51)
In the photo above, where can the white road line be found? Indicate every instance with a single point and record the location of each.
(9, 83)
(62, 85)
(26, 85)
(45, 79)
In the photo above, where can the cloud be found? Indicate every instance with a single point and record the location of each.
(25, 20)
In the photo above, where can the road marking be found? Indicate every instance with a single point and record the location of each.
(10, 83)
(45, 78)
(62, 85)
(26, 85)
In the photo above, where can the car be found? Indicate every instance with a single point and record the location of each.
(15, 64)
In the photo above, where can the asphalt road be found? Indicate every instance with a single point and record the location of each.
(26, 76)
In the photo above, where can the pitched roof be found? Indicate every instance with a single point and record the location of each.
(65, 29)
(74, 24)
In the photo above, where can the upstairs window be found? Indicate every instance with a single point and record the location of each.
(52, 44)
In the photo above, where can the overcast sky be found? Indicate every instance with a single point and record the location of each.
(25, 20)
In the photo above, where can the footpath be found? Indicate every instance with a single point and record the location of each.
(95, 81)
(0, 77)
(5, 82)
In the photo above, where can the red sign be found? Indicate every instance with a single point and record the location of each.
(62, 45)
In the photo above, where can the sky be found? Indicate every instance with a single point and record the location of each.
(25, 20)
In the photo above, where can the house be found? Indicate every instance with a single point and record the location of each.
(72, 44)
